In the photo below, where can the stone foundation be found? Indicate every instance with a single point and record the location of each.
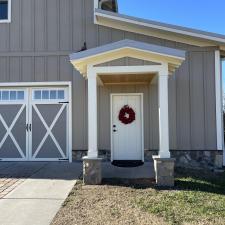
(209, 159)
(164, 171)
(92, 171)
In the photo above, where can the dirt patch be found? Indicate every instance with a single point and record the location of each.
(107, 204)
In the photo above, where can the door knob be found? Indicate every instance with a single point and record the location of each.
(114, 130)
(114, 125)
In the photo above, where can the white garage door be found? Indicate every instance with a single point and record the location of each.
(34, 124)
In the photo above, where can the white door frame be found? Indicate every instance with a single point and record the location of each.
(142, 120)
(66, 84)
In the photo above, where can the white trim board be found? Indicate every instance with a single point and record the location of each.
(142, 119)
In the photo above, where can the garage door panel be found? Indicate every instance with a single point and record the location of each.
(9, 150)
(2, 131)
(9, 112)
(38, 131)
(49, 111)
(49, 150)
(60, 130)
(19, 131)
(53, 144)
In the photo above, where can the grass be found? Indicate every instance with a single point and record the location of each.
(199, 198)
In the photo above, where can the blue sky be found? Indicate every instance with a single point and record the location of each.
(206, 15)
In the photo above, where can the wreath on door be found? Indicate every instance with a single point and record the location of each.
(127, 115)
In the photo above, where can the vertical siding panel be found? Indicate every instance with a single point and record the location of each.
(4, 37)
(15, 26)
(39, 26)
(78, 22)
(117, 35)
(183, 106)
(90, 31)
(154, 121)
(209, 100)
(65, 33)
(79, 112)
(52, 68)
(197, 101)
(52, 25)
(27, 69)
(3, 69)
(39, 69)
(172, 112)
(104, 119)
(15, 69)
(146, 111)
(27, 25)
(65, 69)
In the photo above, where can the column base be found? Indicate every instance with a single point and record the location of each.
(164, 171)
(92, 171)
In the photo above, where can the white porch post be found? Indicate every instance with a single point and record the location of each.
(163, 117)
(92, 114)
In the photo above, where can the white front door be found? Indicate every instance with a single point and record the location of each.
(127, 139)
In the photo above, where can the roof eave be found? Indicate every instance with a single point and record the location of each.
(159, 30)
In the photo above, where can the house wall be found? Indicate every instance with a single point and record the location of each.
(35, 47)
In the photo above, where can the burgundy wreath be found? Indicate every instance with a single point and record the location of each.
(126, 115)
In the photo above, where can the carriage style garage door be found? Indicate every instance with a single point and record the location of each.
(34, 124)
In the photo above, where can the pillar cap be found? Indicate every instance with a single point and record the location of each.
(91, 158)
(158, 158)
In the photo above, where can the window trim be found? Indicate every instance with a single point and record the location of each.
(9, 13)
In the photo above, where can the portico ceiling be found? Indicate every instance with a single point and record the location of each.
(127, 48)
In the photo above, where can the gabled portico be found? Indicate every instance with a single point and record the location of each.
(88, 63)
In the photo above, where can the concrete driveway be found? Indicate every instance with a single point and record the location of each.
(32, 193)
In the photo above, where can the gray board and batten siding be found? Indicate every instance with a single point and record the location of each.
(36, 45)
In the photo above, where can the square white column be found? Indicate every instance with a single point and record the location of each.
(92, 115)
(163, 116)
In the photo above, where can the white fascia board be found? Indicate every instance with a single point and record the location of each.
(143, 25)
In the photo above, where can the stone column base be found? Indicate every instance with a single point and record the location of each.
(164, 171)
(92, 171)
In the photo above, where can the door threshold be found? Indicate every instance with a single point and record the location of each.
(127, 163)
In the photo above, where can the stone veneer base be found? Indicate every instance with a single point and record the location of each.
(164, 171)
(201, 159)
(92, 171)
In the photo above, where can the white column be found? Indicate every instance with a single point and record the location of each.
(219, 100)
(92, 115)
(163, 117)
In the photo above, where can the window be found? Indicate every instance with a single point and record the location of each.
(5, 11)
(47, 94)
(11, 95)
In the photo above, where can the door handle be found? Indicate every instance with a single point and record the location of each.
(63, 102)
(30, 127)
(27, 129)
(114, 130)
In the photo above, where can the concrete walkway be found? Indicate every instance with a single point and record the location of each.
(33, 192)
(37, 200)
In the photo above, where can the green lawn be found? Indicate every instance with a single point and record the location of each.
(199, 198)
